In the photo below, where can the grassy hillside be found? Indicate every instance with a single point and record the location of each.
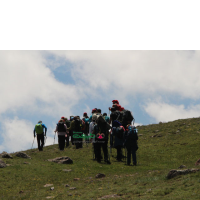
(162, 147)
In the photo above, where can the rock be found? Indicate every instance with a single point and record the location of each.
(69, 194)
(62, 160)
(172, 173)
(67, 170)
(110, 196)
(182, 166)
(140, 135)
(76, 179)
(6, 155)
(21, 191)
(26, 163)
(52, 188)
(66, 185)
(198, 162)
(49, 197)
(48, 185)
(22, 155)
(156, 135)
(2, 164)
(72, 188)
(99, 175)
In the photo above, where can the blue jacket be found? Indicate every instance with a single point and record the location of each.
(44, 127)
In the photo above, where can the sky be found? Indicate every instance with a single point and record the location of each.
(157, 86)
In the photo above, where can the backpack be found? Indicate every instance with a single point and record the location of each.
(100, 134)
(102, 122)
(127, 116)
(131, 133)
(120, 132)
(61, 127)
(78, 125)
(38, 128)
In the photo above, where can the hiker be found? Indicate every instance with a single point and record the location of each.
(70, 130)
(67, 122)
(101, 139)
(61, 130)
(106, 117)
(85, 119)
(92, 138)
(118, 131)
(113, 117)
(76, 127)
(93, 111)
(39, 130)
(130, 143)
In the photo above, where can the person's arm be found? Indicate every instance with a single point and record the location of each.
(43, 125)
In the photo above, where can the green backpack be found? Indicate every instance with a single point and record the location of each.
(38, 128)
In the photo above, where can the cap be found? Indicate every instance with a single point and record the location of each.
(62, 117)
(94, 110)
(115, 101)
(40, 122)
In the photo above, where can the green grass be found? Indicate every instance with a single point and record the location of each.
(178, 145)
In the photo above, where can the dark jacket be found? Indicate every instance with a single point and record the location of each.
(130, 138)
(118, 132)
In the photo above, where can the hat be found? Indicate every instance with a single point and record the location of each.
(94, 110)
(115, 101)
(40, 122)
(62, 117)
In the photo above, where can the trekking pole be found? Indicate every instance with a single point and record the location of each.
(45, 140)
(33, 142)
(54, 138)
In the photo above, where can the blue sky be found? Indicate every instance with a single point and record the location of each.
(46, 85)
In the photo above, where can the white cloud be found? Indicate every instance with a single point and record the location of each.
(121, 73)
(28, 84)
(164, 112)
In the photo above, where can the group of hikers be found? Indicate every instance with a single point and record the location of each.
(97, 129)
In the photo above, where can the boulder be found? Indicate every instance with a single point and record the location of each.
(99, 175)
(6, 155)
(172, 173)
(2, 164)
(62, 160)
(22, 155)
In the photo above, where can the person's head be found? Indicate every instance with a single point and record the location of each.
(104, 114)
(99, 110)
(84, 114)
(40, 122)
(65, 119)
(61, 120)
(118, 107)
(94, 110)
